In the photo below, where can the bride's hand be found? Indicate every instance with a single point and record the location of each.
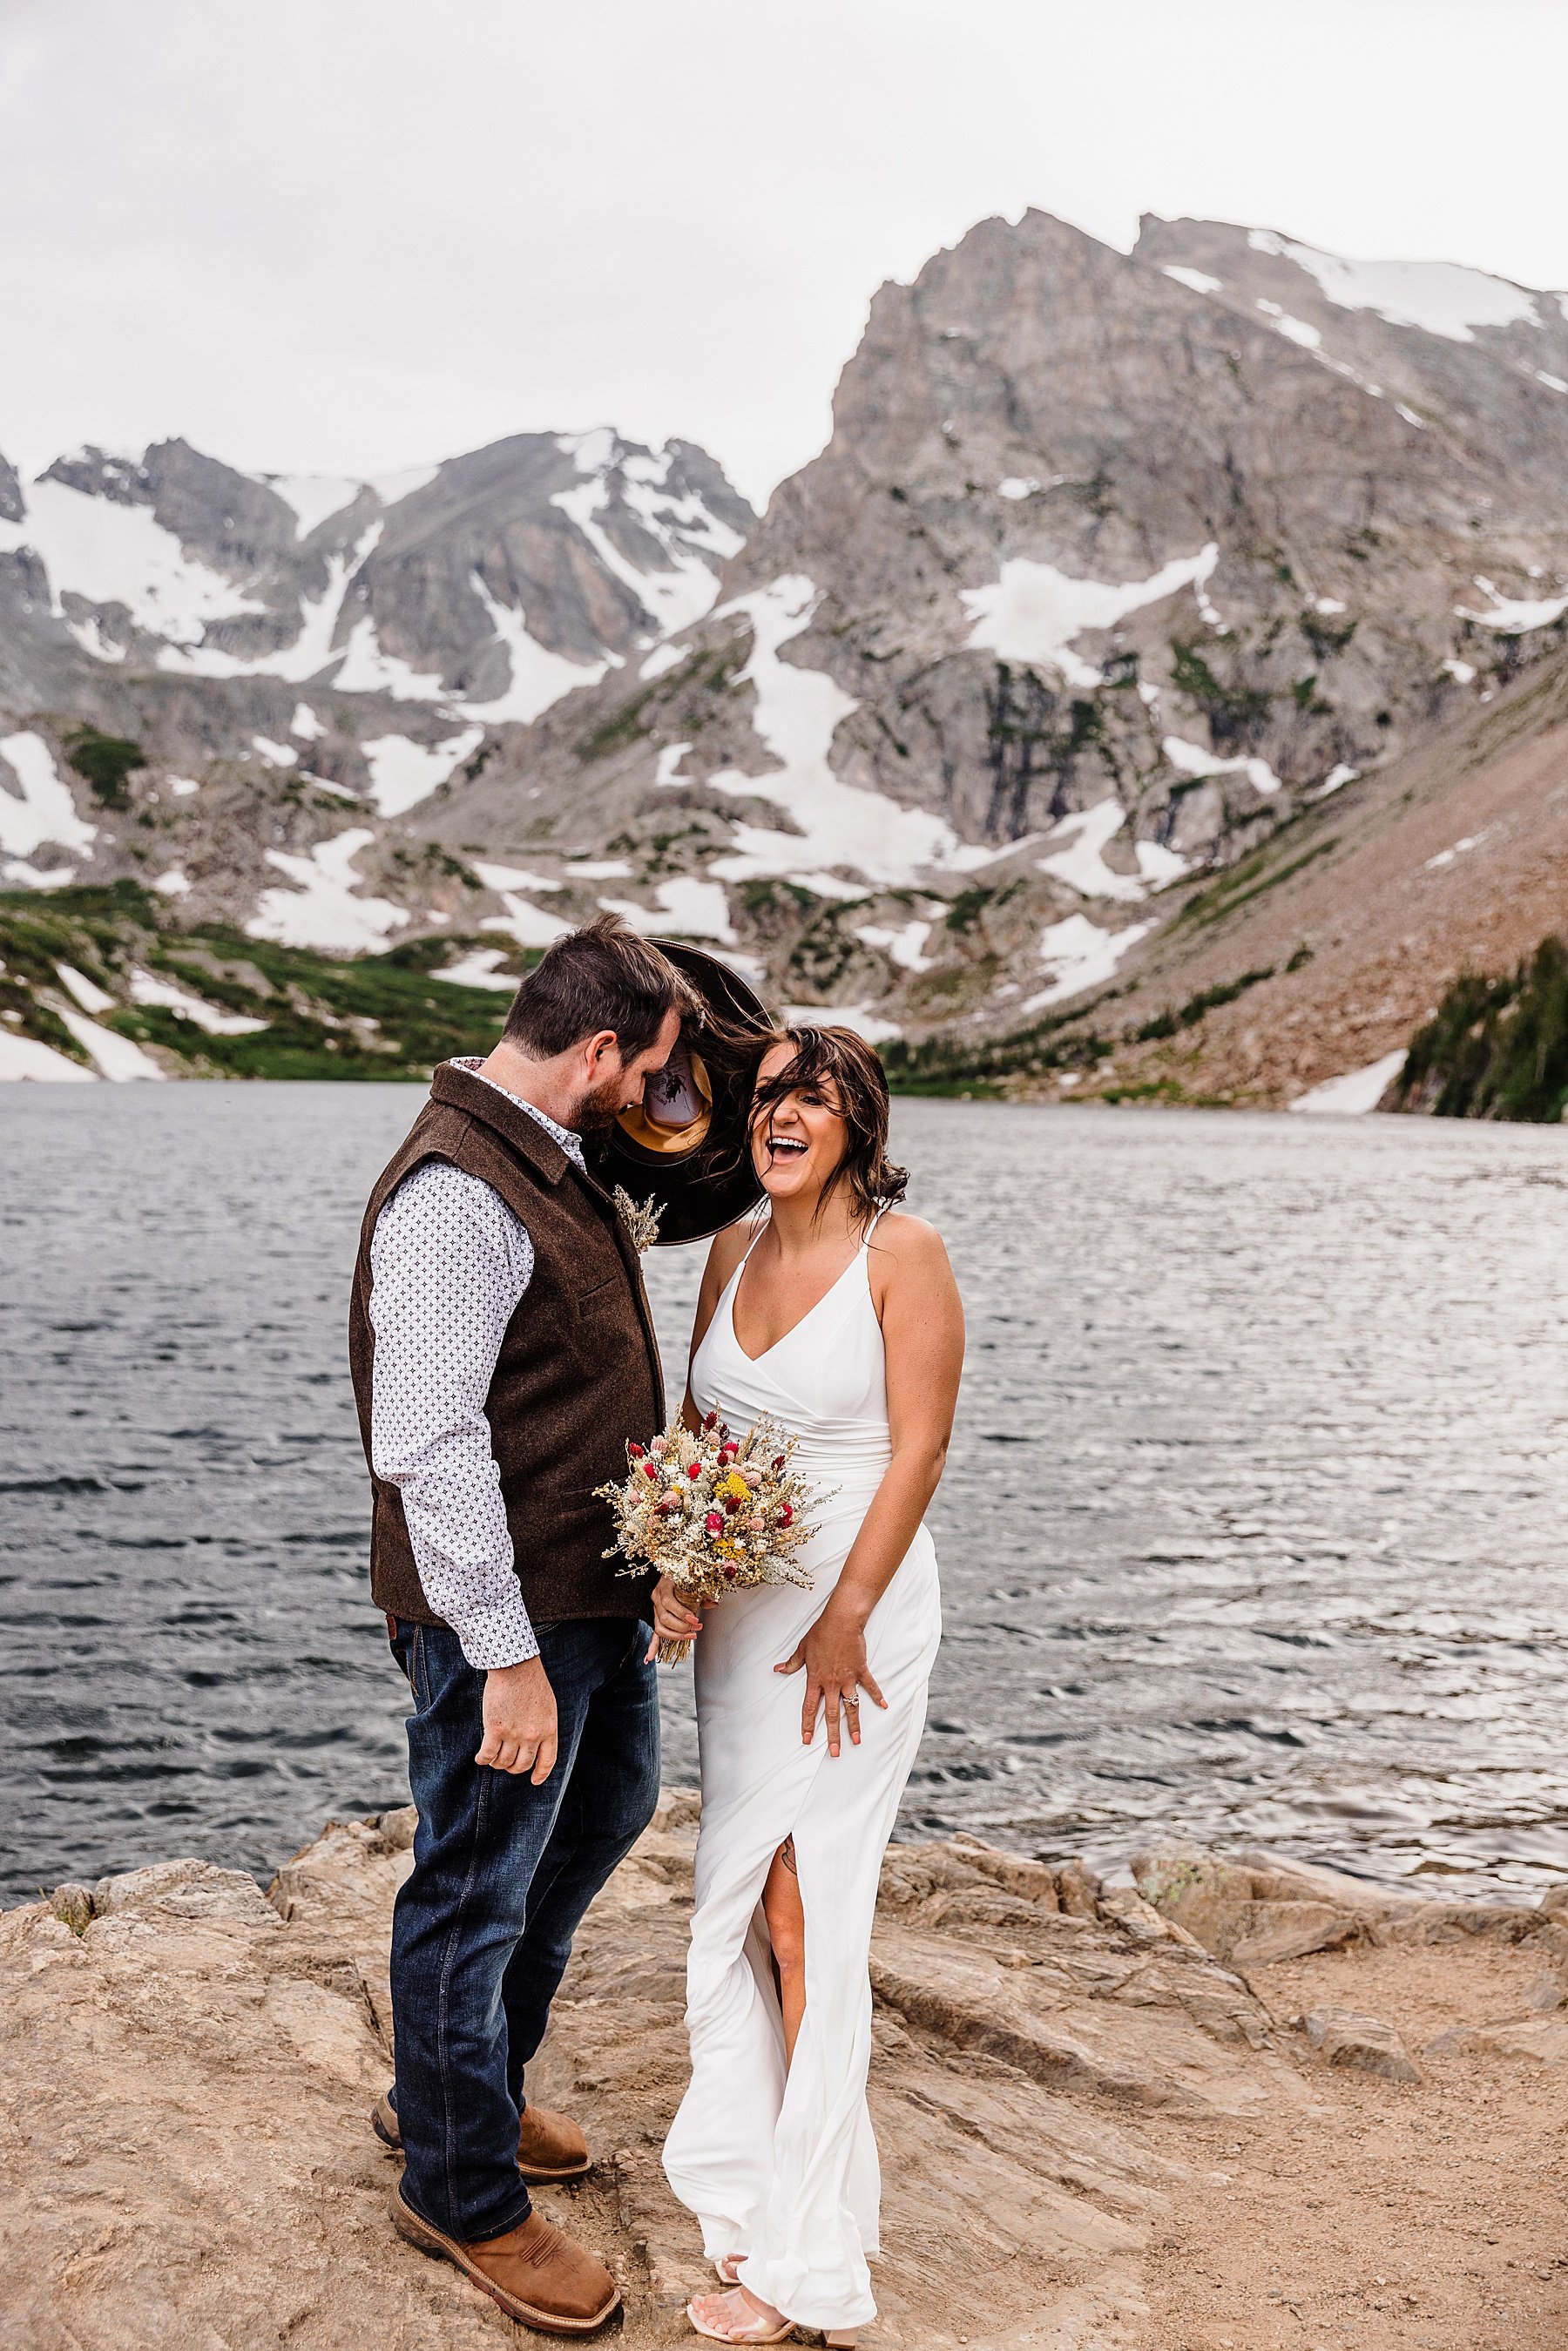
(672, 1619)
(833, 1655)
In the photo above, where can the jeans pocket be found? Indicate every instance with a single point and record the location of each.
(399, 1638)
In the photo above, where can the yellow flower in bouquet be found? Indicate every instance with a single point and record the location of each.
(715, 1513)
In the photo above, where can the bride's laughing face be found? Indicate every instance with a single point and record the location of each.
(798, 1142)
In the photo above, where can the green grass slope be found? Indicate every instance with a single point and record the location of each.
(367, 1016)
(1496, 1048)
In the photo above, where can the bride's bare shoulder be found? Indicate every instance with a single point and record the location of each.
(725, 1250)
(908, 1247)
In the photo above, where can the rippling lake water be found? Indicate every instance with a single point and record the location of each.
(1252, 1528)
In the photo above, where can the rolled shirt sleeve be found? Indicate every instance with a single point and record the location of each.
(450, 1264)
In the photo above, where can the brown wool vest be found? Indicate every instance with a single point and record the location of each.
(577, 1373)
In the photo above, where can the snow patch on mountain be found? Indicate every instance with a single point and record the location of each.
(23, 1057)
(1077, 954)
(538, 678)
(1438, 297)
(1033, 612)
(403, 773)
(1082, 863)
(1513, 615)
(45, 812)
(312, 650)
(688, 908)
(1194, 760)
(872, 1026)
(796, 713)
(477, 970)
(86, 992)
(1357, 1092)
(367, 668)
(904, 946)
(526, 922)
(663, 658)
(681, 587)
(116, 1058)
(324, 910)
(108, 553)
(315, 499)
(146, 987)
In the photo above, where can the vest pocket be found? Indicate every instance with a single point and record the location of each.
(592, 1302)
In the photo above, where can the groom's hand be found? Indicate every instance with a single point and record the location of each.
(521, 1731)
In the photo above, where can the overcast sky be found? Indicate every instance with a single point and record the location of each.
(350, 235)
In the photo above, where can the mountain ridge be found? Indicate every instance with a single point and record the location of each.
(1113, 567)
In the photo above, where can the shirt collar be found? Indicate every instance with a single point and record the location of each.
(570, 1143)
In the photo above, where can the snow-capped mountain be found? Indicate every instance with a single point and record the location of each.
(365, 637)
(1114, 565)
(493, 582)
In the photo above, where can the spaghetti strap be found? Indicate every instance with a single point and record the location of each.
(875, 1222)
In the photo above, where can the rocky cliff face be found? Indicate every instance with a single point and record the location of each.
(1116, 565)
(1113, 563)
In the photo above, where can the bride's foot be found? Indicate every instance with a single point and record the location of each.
(728, 2267)
(737, 2317)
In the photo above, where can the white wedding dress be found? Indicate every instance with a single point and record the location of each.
(783, 2170)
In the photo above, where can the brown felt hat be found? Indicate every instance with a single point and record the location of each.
(684, 1146)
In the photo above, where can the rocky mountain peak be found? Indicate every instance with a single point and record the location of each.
(1115, 564)
(1112, 563)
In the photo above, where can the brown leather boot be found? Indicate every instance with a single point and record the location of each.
(534, 2272)
(550, 2147)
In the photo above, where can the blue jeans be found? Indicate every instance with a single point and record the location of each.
(503, 1871)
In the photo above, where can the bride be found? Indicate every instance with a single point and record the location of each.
(843, 1321)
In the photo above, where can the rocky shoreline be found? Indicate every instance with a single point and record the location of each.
(1247, 2105)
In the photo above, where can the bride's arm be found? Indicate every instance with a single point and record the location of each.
(923, 1332)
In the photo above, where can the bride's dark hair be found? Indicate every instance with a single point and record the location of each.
(843, 1069)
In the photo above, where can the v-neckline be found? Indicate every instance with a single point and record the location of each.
(801, 1322)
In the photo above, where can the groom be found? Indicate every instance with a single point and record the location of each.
(503, 1352)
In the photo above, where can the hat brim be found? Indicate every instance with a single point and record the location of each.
(711, 1184)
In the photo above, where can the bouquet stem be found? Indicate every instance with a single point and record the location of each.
(676, 1653)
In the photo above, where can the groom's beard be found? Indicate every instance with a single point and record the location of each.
(597, 1112)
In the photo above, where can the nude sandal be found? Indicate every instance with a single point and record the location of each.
(759, 2332)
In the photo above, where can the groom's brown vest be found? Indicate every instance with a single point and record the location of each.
(577, 1373)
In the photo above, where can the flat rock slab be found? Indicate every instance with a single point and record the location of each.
(1255, 1909)
(186, 2067)
(1542, 2039)
(1365, 2043)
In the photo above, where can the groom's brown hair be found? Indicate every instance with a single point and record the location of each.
(603, 976)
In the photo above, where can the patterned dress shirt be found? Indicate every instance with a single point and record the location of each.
(450, 1264)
